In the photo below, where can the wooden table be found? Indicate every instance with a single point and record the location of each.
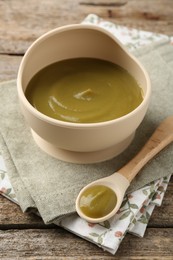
(24, 236)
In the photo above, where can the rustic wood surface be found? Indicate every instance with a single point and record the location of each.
(24, 236)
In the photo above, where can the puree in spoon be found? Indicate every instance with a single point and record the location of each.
(97, 201)
(84, 90)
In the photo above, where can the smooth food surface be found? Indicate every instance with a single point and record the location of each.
(84, 90)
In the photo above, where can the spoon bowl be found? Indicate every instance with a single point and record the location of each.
(95, 203)
(117, 183)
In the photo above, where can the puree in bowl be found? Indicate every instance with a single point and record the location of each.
(84, 90)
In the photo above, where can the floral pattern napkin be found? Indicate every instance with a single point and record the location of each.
(138, 206)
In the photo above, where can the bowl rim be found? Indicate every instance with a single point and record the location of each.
(67, 124)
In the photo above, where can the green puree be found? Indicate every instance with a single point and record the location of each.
(84, 90)
(97, 201)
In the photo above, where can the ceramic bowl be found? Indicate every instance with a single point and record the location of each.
(81, 142)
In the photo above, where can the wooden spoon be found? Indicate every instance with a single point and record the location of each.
(120, 181)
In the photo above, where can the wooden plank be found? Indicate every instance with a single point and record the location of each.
(12, 217)
(21, 25)
(52, 243)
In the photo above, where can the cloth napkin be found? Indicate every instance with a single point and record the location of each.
(132, 217)
(42, 183)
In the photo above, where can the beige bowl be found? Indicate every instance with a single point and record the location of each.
(75, 142)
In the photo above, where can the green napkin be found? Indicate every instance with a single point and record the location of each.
(50, 185)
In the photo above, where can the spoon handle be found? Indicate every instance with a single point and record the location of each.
(162, 136)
